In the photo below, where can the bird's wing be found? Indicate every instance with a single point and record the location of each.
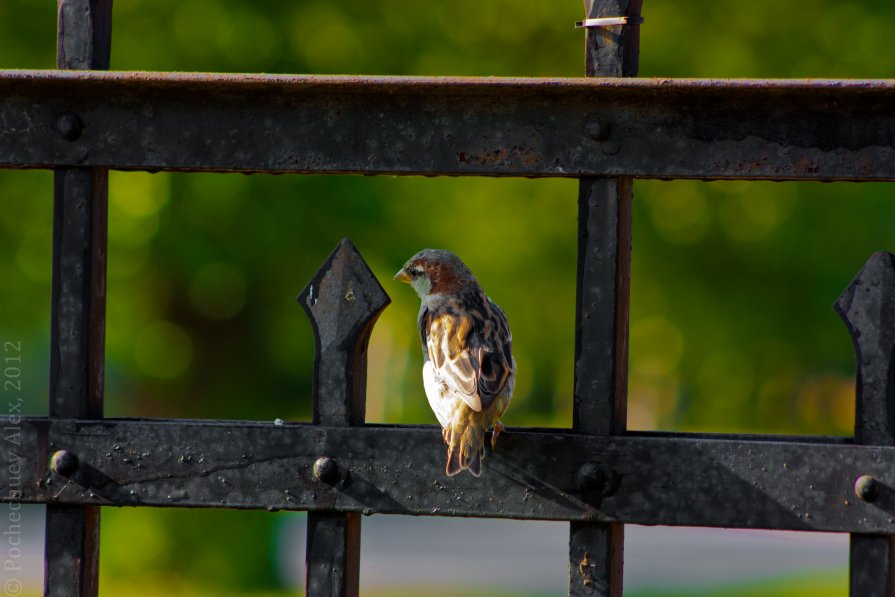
(495, 355)
(423, 321)
(470, 350)
(446, 345)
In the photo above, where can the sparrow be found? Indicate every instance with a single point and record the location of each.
(468, 367)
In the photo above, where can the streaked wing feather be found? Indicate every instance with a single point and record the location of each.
(496, 362)
(450, 357)
(471, 349)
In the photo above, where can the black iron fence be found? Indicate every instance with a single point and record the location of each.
(595, 475)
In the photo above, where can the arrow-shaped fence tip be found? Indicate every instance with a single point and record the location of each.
(875, 279)
(867, 307)
(344, 290)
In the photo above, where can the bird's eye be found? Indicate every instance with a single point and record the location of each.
(415, 273)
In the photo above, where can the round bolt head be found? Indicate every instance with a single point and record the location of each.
(590, 477)
(69, 126)
(867, 488)
(598, 131)
(64, 463)
(326, 469)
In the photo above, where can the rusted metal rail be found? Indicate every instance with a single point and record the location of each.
(645, 128)
(547, 474)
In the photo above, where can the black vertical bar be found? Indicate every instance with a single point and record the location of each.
(868, 308)
(332, 556)
(84, 34)
(601, 345)
(77, 323)
(343, 302)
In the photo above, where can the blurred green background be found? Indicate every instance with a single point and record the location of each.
(732, 282)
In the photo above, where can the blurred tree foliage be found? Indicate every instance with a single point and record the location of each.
(731, 326)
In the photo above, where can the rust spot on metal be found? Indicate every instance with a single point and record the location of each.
(491, 156)
(584, 570)
(529, 158)
(752, 166)
(518, 155)
(806, 165)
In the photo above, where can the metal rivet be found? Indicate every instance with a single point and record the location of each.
(590, 477)
(64, 463)
(867, 488)
(326, 469)
(69, 126)
(598, 131)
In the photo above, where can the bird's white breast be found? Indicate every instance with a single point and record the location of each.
(440, 398)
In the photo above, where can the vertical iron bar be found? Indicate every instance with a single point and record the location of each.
(77, 323)
(601, 319)
(343, 301)
(332, 556)
(868, 309)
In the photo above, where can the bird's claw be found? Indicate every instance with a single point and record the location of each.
(498, 429)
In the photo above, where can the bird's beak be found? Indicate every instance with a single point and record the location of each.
(402, 276)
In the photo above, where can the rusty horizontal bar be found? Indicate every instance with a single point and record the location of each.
(646, 128)
(646, 479)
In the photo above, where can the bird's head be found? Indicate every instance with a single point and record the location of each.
(435, 272)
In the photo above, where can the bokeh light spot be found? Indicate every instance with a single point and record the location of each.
(138, 194)
(217, 291)
(680, 214)
(657, 346)
(34, 257)
(163, 350)
(750, 217)
(726, 381)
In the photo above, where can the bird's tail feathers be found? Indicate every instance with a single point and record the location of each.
(466, 447)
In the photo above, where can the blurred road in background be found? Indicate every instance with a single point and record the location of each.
(530, 557)
(400, 553)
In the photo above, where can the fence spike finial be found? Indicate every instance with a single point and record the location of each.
(867, 307)
(343, 301)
